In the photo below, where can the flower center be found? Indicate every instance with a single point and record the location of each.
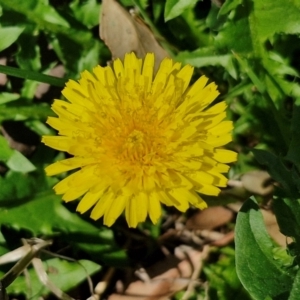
(135, 138)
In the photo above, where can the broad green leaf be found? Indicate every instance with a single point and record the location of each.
(5, 151)
(174, 8)
(86, 12)
(287, 212)
(249, 26)
(45, 214)
(15, 186)
(63, 274)
(207, 57)
(295, 292)
(293, 152)
(8, 35)
(19, 163)
(282, 17)
(260, 274)
(277, 170)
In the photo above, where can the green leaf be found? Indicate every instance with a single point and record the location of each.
(15, 186)
(86, 12)
(8, 97)
(287, 212)
(43, 215)
(293, 152)
(5, 151)
(174, 8)
(47, 18)
(224, 283)
(25, 112)
(277, 170)
(76, 58)
(260, 274)
(207, 57)
(26, 74)
(282, 17)
(248, 26)
(228, 6)
(295, 292)
(63, 274)
(236, 34)
(19, 163)
(8, 35)
(29, 56)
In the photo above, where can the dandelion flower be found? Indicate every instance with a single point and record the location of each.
(138, 142)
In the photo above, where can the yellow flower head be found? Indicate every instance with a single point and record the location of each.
(138, 142)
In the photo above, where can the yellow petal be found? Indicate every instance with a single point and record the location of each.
(131, 212)
(154, 207)
(180, 203)
(102, 205)
(60, 143)
(115, 209)
(207, 189)
(225, 156)
(64, 185)
(185, 74)
(74, 193)
(67, 165)
(88, 200)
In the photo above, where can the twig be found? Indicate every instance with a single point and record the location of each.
(196, 274)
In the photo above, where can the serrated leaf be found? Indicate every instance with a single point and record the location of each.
(249, 26)
(277, 170)
(260, 274)
(8, 35)
(45, 214)
(8, 97)
(64, 275)
(174, 8)
(47, 18)
(228, 6)
(19, 163)
(86, 12)
(236, 34)
(15, 186)
(282, 17)
(207, 57)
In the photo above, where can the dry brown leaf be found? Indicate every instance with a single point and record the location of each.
(210, 218)
(258, 182)
(123, 33)
(168, 276)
